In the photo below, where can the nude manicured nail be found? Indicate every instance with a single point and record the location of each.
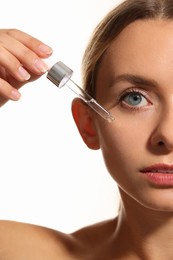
(15, 95)
(40, 65)
(45, 49)
(24, 75)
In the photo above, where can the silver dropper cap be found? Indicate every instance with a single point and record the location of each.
(59, 74)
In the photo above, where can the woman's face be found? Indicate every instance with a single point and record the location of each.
(135, 83)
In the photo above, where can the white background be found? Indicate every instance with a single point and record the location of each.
(47, 174)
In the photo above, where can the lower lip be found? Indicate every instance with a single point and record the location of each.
(164, 179)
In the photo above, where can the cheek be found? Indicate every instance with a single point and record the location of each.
(123, 141)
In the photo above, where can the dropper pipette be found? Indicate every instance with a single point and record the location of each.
(60, 75)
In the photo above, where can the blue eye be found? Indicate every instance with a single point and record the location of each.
(134, 99)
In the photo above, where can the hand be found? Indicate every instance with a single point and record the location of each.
(20, 62)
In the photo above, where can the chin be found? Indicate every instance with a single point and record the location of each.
(159, 200)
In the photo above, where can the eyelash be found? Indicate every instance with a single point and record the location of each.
(138, 92)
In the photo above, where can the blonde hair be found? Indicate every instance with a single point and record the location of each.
(110, 27)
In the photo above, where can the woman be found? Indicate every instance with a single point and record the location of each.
(128, 68)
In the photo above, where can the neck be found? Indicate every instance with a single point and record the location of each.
(145, 231)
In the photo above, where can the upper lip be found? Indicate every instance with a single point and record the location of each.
(158, 168)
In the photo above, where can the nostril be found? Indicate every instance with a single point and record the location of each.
(160, 143)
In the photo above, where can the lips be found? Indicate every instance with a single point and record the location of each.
(159, 168)
(159, 174)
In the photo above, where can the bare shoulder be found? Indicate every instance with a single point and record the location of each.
(20, 241)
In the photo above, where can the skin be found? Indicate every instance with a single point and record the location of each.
(141, 135)
(25, 54)
(149, 124)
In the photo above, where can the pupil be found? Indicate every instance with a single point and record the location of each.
(134, 99)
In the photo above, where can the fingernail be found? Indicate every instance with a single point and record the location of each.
(24, 75)
(15, 95)
(40, 65)
(45, 49)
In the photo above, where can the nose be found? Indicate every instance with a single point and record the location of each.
(162, 136)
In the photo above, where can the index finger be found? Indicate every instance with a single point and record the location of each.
(41, 49)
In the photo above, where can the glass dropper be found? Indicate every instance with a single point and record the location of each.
(60, 75)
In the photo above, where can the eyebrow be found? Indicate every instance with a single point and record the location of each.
(134, 79)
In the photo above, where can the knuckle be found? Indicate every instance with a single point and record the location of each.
(2, 85)
(14, 65)
(5, 89)
(13, 31)
(3, 38)
(26, 53)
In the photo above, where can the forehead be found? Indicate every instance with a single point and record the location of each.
(142, 45)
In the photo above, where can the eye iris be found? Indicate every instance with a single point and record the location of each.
(134, 99)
